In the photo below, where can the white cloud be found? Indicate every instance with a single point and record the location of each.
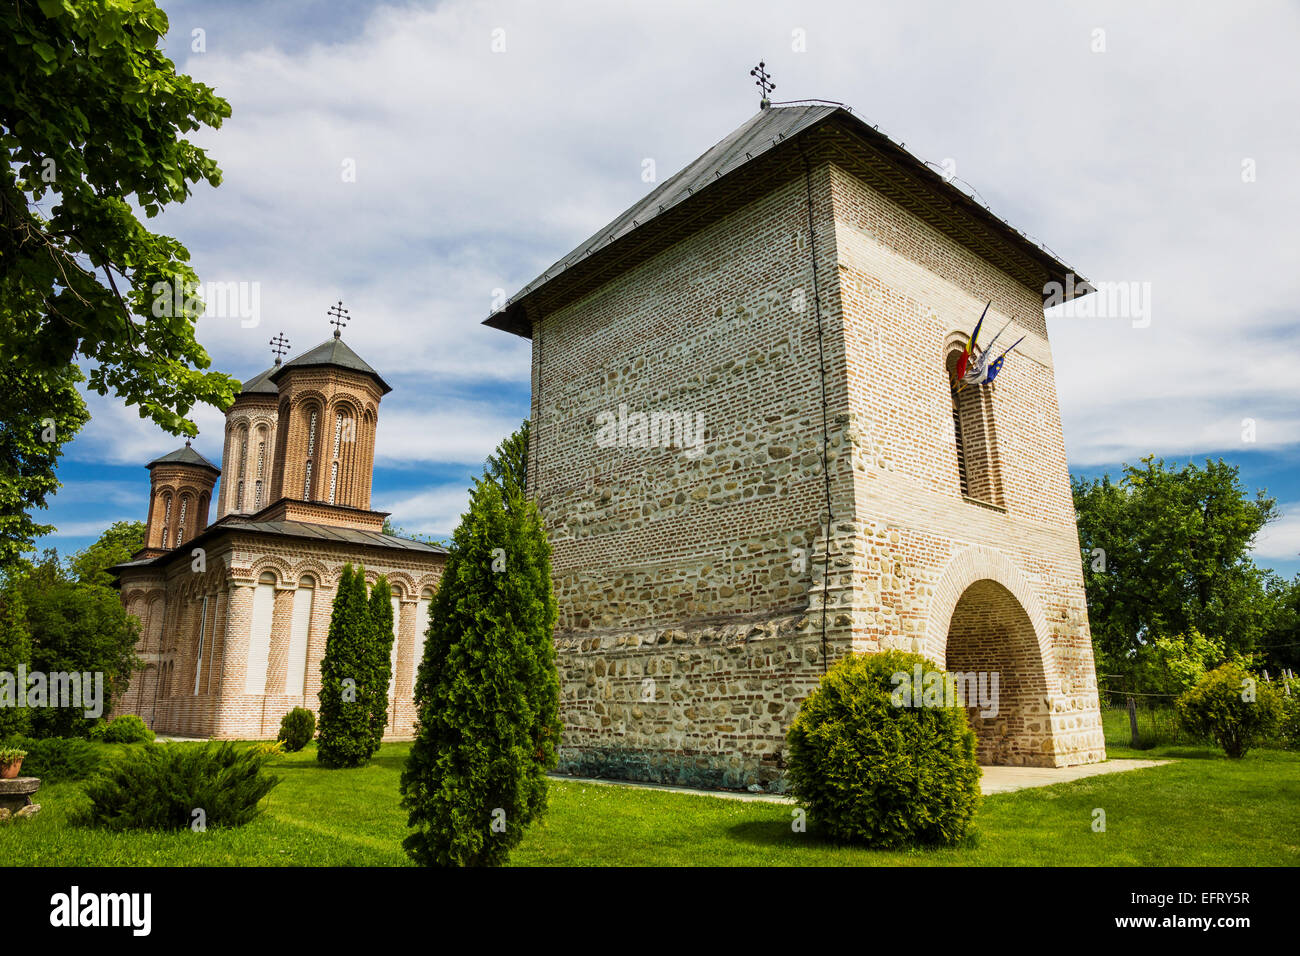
(449, 432)
(476, 170)
(436, 511)
(1280, 540)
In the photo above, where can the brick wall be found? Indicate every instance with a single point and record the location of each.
(169, 600)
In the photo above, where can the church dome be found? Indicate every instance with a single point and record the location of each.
(333, 353)
(183, 456)
(261, 384)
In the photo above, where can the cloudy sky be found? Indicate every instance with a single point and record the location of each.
(414, 160)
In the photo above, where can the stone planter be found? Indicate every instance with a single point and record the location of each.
(16, 796)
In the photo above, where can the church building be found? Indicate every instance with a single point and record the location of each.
(234, 614)
(755, 454)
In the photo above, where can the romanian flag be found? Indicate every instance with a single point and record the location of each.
(970, 345)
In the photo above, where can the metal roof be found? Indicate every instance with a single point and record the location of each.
(261, 384)
(322, 532)
(184, 456)
(755, 136)
(292, 529)
(919, 188)
(334, 352)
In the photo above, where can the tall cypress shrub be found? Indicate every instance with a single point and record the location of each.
(381, 656)
(487, 690)
(345, 734)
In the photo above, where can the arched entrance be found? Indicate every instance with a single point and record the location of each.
(993, 645)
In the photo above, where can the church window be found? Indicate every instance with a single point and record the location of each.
(167, 519)
(334, 479)
(338, 433)
(243, 468)
(311, 450)
(180, 525)
(261, 457)
(198, 665)
(974, 439)
(311, 435)
(961, 450)
(257, 497)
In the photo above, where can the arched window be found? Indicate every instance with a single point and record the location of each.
(421, 632)
(259, 637)
(311, 452)
(243, 467)
(198, 662)
(974, 438)
(167, 519)
(181, 534)
(300, 636)
(342, 432)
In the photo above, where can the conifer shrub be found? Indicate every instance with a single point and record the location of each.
(297, 728)
(487, 690)
(127, 729)
(381, 658)
(346, 736)
(872, 768)
(175, 786)
(56, 759)
(1232, 707)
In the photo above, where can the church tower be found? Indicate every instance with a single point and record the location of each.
(180, 490)
(325, 435)
(249, 455)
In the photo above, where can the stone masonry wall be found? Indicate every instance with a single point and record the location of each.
(689, 579)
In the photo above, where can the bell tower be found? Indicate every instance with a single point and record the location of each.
(180, 492)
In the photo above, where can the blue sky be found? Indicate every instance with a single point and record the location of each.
(1124, 150)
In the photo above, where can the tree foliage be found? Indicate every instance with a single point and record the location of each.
(487, 690)
(93, 119)
(74, 627)
(116, 545)
(15, 649)
(1166, 553)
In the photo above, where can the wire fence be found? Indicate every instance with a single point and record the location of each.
(1144, 719)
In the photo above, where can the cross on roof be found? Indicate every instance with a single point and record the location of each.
(340, 318)
(764, 82)
(279, 345)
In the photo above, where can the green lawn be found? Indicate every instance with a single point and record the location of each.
(1201, 810)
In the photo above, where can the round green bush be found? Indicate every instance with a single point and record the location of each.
(297, 729)
(1232, 707)
(874, 771)
(127, 729)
